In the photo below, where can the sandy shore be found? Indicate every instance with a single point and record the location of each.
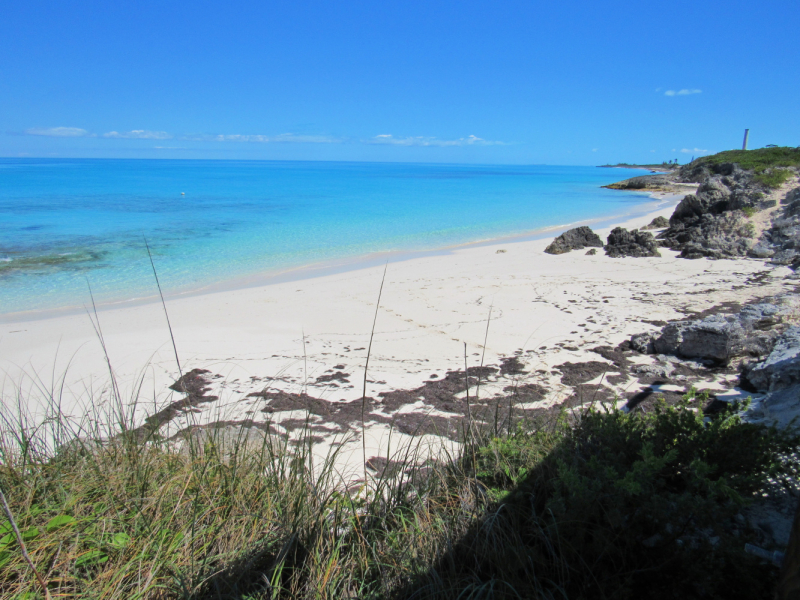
(311, 335)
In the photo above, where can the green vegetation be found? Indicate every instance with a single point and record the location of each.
(773, 178)
(749, 211)
(618, 505)
(769, 164)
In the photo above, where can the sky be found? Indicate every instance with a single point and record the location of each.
(512, 82)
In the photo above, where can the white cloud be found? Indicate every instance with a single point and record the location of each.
(264, 139)
(470, 140)
(139, 134)
(683, 92)
(694, 151)
(57, 131)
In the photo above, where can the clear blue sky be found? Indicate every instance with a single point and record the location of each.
(570, 82)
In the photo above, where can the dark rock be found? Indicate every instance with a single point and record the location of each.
(718, 337)
(622, 242)
(726, 235)
(688, 209)
(711, 223)
(591, 252)
(574, 239)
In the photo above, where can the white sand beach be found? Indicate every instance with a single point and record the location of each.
(285, 336)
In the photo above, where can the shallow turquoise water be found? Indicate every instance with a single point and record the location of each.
(68, 222)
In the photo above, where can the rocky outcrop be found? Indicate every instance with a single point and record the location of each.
(644, 182)
(712, 222)
(781, 242)
(781, 368)
(779, 376)
(574, 239)
(727, 235)
(622, 242)
(751, 333)
(759, 332)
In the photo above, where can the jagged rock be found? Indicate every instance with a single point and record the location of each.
(591, 252)
(622, 242)
(643, 342)
(717, 337)
(725, 235)
(781, 369)
(657, 223)
(689, 208)
(574, 239)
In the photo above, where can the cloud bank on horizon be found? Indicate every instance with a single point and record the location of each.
(57, 131)
(144, 134)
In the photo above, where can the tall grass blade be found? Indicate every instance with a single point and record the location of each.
(366, 369)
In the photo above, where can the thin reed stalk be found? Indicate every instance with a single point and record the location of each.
(366, 370)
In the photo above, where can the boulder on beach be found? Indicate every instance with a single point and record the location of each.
(622, 242)
(717, 337)
(574, 239)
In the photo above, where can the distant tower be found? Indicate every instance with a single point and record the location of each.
(746, 135)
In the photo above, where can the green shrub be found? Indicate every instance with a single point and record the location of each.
(749, 211)
(759, 159)
(623, 506)
(773, 178)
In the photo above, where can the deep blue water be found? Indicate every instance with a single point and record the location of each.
(66, 222)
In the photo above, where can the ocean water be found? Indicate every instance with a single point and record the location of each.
(68, 224)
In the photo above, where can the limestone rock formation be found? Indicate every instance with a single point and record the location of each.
(574, 239)
(781, 368)
(622, 242)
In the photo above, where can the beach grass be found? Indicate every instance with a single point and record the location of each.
(596, 504)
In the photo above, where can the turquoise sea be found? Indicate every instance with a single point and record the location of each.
(65, 224)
